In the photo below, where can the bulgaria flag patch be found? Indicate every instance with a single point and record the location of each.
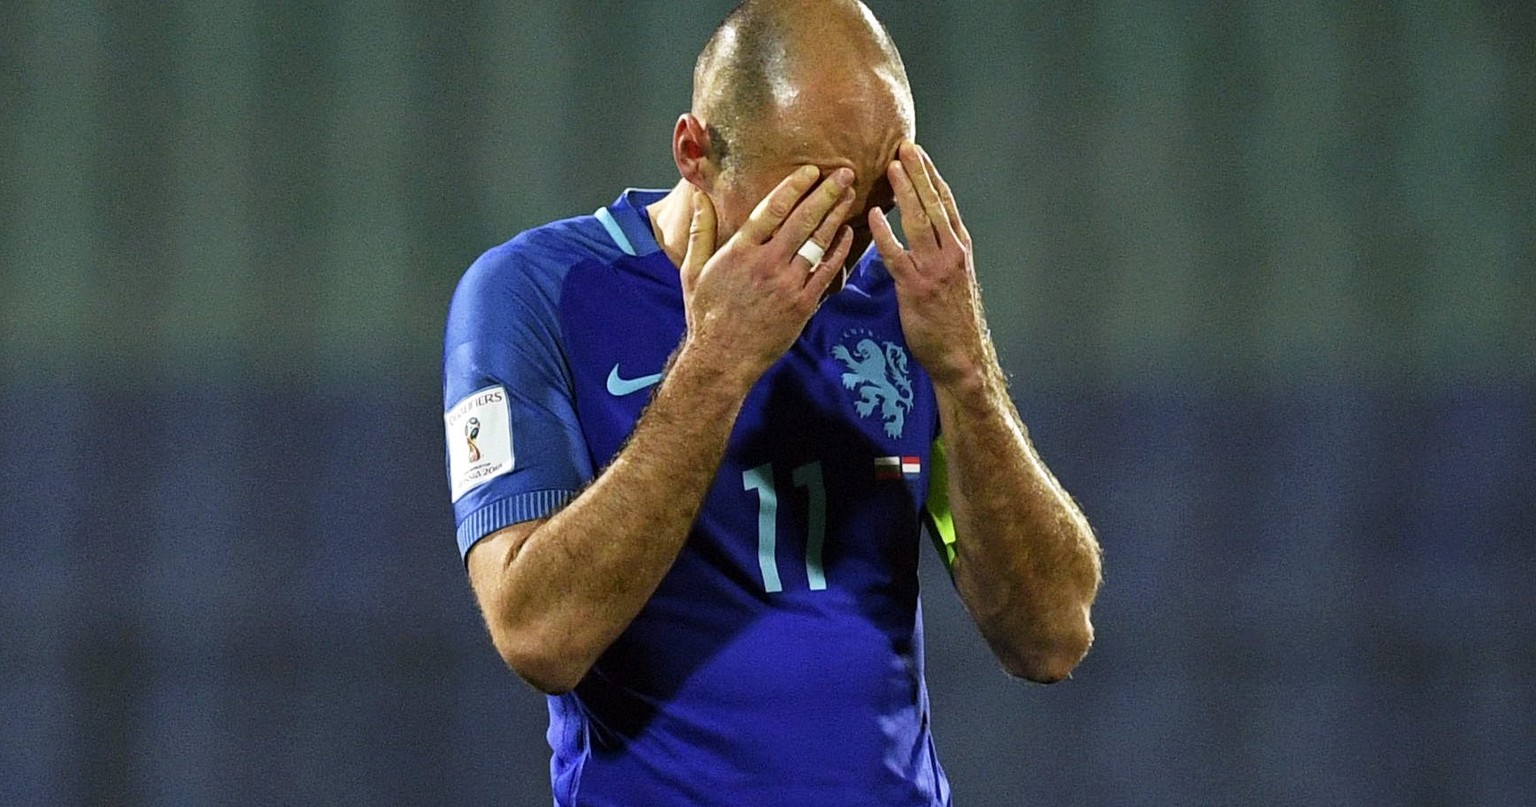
(897, 467)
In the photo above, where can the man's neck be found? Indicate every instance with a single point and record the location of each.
(670, 217)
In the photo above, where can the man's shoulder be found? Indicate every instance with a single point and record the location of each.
(541, 255)
(522, 279)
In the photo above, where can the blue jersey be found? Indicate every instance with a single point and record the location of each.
(780, 660)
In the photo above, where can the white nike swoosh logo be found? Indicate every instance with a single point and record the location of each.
(619, 387)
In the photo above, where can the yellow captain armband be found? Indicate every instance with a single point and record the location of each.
(941, 522)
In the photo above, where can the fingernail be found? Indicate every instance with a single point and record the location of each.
(810, 172)
(843, 176)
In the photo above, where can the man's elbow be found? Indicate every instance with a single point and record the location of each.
(1046, 659)
(544, 665)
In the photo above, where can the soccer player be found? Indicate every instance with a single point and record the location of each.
(693, 440)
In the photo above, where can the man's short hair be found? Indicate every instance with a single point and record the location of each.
(745, 63)
(735, 73)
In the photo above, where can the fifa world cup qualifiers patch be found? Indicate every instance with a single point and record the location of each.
(479, 440)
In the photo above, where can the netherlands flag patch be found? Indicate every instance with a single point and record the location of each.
(897, 467)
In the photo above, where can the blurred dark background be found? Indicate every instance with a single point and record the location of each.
(1262, 273)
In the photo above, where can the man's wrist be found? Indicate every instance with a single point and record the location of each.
(974, 385)
(713, 370)
(968, 389)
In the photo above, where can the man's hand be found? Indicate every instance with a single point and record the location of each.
(936, 278)
(1027, 564)
(749, 301)
(556, 593)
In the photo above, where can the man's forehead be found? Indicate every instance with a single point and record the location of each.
(823, 84)
(860, 113)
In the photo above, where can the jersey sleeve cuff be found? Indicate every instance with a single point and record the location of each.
(503, 513)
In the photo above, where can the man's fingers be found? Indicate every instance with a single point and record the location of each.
(701, 236)
(778, 204)
(891, 250)
(912, 160)
(915, 220)
(821, 240)
(946, 196)
(915, 166)
(831, 267)
(813, 211)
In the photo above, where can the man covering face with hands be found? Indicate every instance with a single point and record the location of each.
(714, 423)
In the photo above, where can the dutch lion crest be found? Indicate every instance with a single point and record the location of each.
(879, 376)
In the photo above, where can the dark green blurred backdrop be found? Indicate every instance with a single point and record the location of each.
(1263, 272)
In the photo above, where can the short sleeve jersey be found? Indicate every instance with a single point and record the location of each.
(780, 660)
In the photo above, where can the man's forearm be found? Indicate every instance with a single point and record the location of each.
(1027, 564)
(556, 594)
(563, 594)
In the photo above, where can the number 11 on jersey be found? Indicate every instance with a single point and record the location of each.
(806, 476)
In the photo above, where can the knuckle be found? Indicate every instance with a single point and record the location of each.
(779, 208)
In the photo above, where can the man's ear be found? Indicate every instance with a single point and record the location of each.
(693, 152)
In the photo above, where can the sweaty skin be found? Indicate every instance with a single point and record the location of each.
(831, 153)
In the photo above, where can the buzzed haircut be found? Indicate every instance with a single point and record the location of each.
(735, 73)
(745, 60)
